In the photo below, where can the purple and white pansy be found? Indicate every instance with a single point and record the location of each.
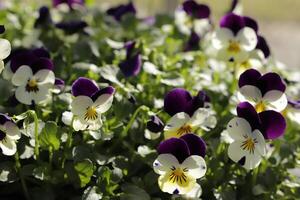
(192, 17)
(31, 72)
(180, 163)
(5, 48)
(154, 128)
(264, 92)
(89, 103)
(188, 113)
(236, 37)
(249, 131)
(9, 134)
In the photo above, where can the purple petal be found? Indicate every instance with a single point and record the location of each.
(233, 5)
(84, 86)
(195, 144)
(155, 125)
(2, 29)
(176, 147)
(249, 22)
(72, 27)
(247, 111)
(233, 22)
(270, 81)
(21, 57)
(272, 124)
(44, 17)
(42, 63)
(131, 66)
(193, 42)
(4, 118)
(263, 46)
(130, 47)
(294, 104)
(197, 102)
(177, 100)
(108, 90)
(199, 11)
(249, 77)
(41, 52)
(59, 83)
(119, 11)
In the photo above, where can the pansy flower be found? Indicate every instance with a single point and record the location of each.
(192, 17)
(292, 111)
(71, 27)
(89, 103)
(5, 48)
(188, 113)
(119, 11)
(262, 47)
(249, 131)
(235, 38)
(264, 92)
(154, 128)
(180, 163)
(44, 18)
(132, 64)
(70, 3)
(9, 134)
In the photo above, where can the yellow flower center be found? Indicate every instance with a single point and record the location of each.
(249, 144)
(260, 107)
(91, 113)
(178, 175)
(245, 65)
(32, 86)
(184, 130)
(234, 47)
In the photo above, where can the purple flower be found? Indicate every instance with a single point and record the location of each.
(195, 10)
(59, 85)
(119, 11)
(155, 125)
(263, 46)
(131, 66)
(264, 92)
(179, 100)
(44, 18)
(2, 29)
(193, 42)
(71, 27)
(70, 3)
(270, 123)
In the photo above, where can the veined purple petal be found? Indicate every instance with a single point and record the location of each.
(273, 124)
(263, 46)
(177, 100)
(71, 27)
(42, 63)
(199, 11)
(195, 144)
(249, 77)
(84, 86)
(107, 90)
(131, 66)
(233, 22)
(270, 81)
(247, 111)
(119, 11)
(4, 118)
(249, 22)
(176, 147)
(2, 29)
(155, 125)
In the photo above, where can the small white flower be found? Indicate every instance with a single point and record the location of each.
(248, 146)
(9, 134)
(5, 49)
(33, 87)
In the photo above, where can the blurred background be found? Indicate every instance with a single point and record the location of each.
(279, 20)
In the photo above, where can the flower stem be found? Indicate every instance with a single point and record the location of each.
(23, 183)
(36, 133)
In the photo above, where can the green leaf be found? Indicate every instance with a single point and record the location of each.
(48, 137)
(85, 171)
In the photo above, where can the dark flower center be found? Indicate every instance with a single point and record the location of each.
(32, 86)
(2, 135)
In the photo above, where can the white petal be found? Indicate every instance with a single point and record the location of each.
(261, 143)
(8, 147)
(80, 105)
(1, 66)
(237, 127)
(241, 56)
(5, 48)
(252, 161)
(12, 130)
(78, 125)
(276, 100)
(199, 117)
(221, 38)
(96, 125)
(177, 121)
(195, 193)
(7, 73)
(23, 96)
(67, 118)
(22, 75)
(45, 76)
(210, 123)
(201, 26)
(235, 152)
(247, 38)
(150, 135)
(42, 94)
(104, 102)
(164, 163)
(196, 166)
(249, 93)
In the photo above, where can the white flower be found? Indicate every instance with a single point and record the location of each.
(248, 146)
(9, 134)
(181, 123)
(179, 178)
(88, 112)
(5, 49)
(33, 87)
(232, 46)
